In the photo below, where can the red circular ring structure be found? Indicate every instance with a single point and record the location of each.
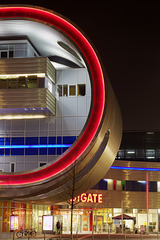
(54, 20)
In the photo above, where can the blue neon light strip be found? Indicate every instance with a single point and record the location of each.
(135, 168)
(35, 146)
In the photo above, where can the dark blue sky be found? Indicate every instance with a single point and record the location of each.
(127, 38)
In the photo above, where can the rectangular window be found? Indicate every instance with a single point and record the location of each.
(65, 90)
(150, 153)
(59, 88)
(22, 82)
(12, 83)
(72, 90)
(11, 54)
(109, 184)
(3, 83)
(118, 185)
(81, 90)
(4, 54)
(32, 81)
(12, 167)
(3, 47)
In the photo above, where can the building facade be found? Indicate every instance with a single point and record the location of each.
(59, 119)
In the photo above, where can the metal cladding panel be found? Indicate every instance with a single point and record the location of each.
(135, 175)
(27, 98)
(131, 200)
(92, 154)
(34, 65)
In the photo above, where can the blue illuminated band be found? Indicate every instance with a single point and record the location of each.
(36, 146)
(135, 168)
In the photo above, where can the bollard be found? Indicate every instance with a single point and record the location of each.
(13, 234)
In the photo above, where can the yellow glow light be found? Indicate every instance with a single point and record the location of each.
(10, 117)
(25, 75)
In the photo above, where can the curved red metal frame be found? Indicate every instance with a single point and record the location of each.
(98, 87)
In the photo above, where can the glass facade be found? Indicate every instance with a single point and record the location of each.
(17, 49)
(99, 220)
(30, 216)
(140, 146)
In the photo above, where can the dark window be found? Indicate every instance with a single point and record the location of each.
(65, 90)
(81, 90)
(3, 83)
(12, 167)
(42, 164)
(60, 90)
(4, 54)
(136, 186)
(101, 185)
(10, 54)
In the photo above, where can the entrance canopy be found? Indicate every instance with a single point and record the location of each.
(125, 217)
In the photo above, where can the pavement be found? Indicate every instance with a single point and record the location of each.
(93, 237)
(90, 237)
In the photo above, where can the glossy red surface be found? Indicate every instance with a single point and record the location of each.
(98, 89)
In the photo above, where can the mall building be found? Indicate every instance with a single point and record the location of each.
(128, 193)
(60, 122)
(60, 126)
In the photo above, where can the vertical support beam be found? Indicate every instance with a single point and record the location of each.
(122, 214)
(147, 198)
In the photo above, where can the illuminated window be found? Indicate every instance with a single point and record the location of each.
(121, 154)
(158, 186)
(12, 83)
(22, 82)
(109, 184)
(150, 153)
(32, 81)
(72, 90)
(118, 185)
(81, 90)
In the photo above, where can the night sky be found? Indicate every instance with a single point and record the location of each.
(127, 38)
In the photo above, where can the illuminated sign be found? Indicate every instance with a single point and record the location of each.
(13, 222)
(47, 223)
(89, 198)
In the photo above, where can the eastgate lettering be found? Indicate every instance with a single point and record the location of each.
(89, 198)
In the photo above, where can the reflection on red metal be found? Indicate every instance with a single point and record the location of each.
(97, 78)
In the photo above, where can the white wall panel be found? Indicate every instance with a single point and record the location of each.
(69, 76)
(80, 122)
(32, 124)
(81, 106)
(69, 123)
(69, 106)
(81, 76)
